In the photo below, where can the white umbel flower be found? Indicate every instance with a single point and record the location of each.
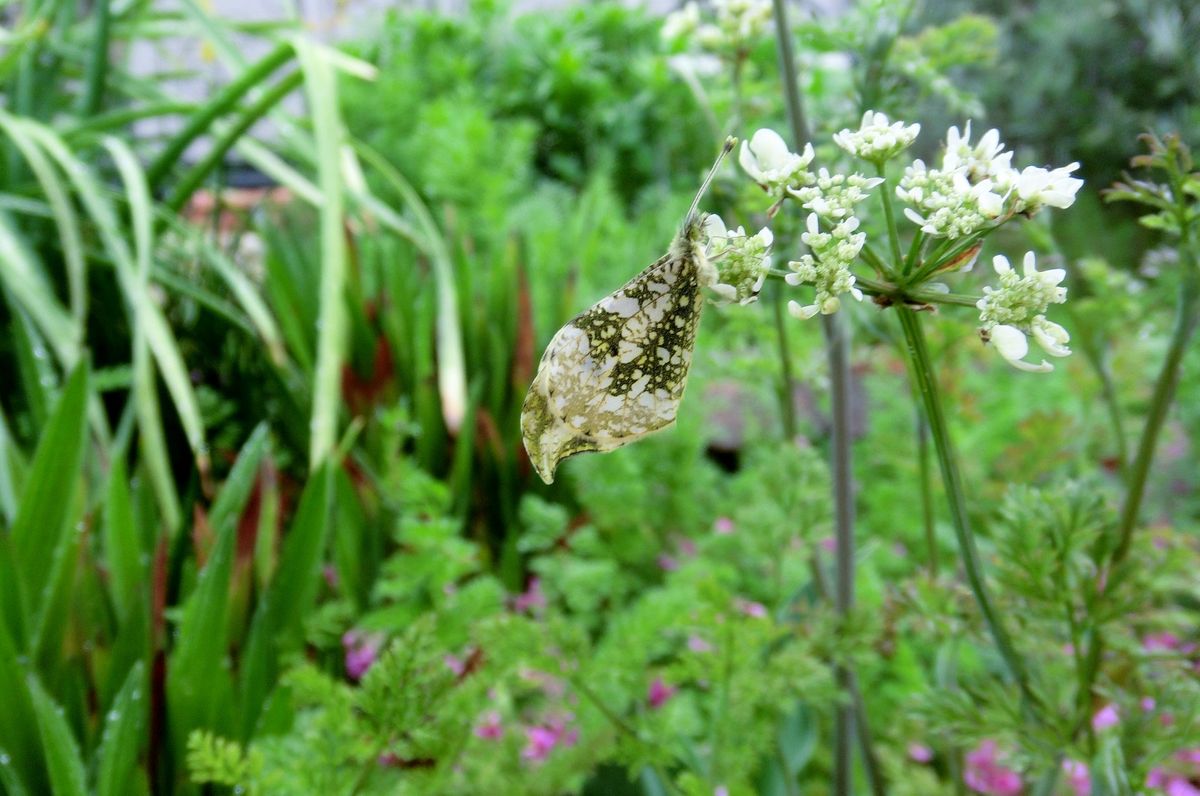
(1037, 187)
(1015, 310)
(769, 162)
(827, 268)
(741, 261)
(875, 139)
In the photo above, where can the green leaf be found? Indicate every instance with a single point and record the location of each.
(124, 733)
(18, 727)
(41, 528)
(122, 547)
(237, 487)
(63, 760)
(277, 625)
(196, 669)
(321, 87)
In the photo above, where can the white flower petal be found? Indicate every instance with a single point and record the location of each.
(1000, 264)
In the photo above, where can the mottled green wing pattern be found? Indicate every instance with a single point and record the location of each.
(617, 372)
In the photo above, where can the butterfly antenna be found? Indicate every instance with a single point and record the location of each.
(730, 143)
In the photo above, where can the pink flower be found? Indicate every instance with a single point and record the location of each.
(1178, 786)
(1105, 717)
(659, 693)
(829, 544)
(667, 564)
(1078, 778)
(723, 526)
(687, 547)
(454, 664)
(1160, 642)
(751, 609)
(1148, 704)
(919, 753)
(985, 774)
(532, 599)
(541, 739)
(330, 574)
(1189, 756)
(539, 743)
(697, 644)
(720, 790)
(361, 651)
(490, 729)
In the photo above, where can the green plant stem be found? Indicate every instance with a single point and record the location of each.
(914, 251)
(889, 214)
(787, 392)
(843, 491)
(922, 368)
(926, 486)
(1186, 317)
(225, 100)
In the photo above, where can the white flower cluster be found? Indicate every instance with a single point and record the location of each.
(876, 140)
(737, 24)
(1017, 308)
(827, 268)
(833, 196)
(977, 185)
(769, 162)
(741, 260)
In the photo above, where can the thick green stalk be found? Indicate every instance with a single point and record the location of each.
(1186, 317)
(922, 369)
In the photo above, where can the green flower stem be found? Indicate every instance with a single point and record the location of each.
(787, 392)
(889, 213)
(926, 487)
(1186, 317)
(922, 369)
(914, 251)
(836, 348)
(875, 261)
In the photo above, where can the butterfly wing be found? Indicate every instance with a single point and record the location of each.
(617, 371)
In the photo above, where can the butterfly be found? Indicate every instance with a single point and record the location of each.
(617, 371)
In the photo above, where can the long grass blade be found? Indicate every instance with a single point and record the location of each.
(124, 730)
(41, 522)
(321, 88)
(68, 777)
(452, 379)
(147, 312)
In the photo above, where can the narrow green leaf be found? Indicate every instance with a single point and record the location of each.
(294, 589)
(122, 548)
(237, 487)
(41, 522)
(18, 727)
(22, 276)
(124, 734)
(321, 88)
(196, 666)
(10, 780)
(452, 378)
(65, 219)
(63, 760)
(147, 312)
(277, 625)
